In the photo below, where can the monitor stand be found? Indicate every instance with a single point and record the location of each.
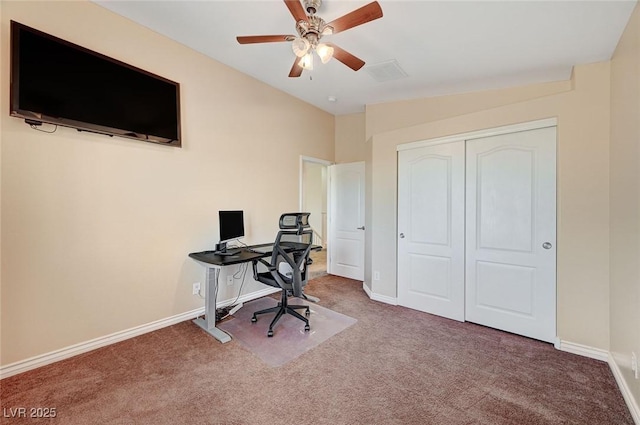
(221, 250)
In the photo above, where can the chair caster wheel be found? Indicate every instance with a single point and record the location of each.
(307, 328)
(307, 313)
(254, 319)
(270, 334)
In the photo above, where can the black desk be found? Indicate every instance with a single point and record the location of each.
(243, 256)
(214, 263)
(246, 253)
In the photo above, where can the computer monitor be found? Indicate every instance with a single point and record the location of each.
(231, 227)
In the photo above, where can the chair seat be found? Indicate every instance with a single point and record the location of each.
(268, 279)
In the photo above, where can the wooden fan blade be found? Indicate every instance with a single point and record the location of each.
(249, 39)
(296, 70)
(360, 16)
(296, 10)
(346, 58)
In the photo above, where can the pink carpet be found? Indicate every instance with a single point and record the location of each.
(394, 366)
(289, 337)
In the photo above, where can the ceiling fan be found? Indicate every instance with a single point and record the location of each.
(311, 28)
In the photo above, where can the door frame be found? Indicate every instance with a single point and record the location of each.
(313, 160)
(496, 131)
(478, 134)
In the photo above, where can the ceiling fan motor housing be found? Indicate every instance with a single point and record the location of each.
(312, 29)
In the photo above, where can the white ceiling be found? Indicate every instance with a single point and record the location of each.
(445, 47)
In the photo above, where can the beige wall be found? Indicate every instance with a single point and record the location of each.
(349, 138)
(582, 109)
(386, 117)
(625, 202)
(96, 230)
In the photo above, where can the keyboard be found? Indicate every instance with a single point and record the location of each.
(262, 249)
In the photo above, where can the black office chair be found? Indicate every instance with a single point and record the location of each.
(287, 268)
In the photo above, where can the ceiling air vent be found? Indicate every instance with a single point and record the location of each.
(386, 71)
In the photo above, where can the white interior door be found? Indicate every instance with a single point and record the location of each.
(431, 229)
(345, 251)
(511, 232)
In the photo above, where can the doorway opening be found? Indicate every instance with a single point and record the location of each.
(313, 199)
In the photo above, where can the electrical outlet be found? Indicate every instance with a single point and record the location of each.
(196, 288)
(376, 275)
(230, 280)
(634, 365)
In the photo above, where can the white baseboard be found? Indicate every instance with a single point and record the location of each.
(366, 289)
(583, 350)
(83, 347)
(632, 404)
(377, 297)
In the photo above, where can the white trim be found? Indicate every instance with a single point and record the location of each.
(513, 128)
(83, 347)
(384, 299)
(304, 159)
(583, 350)
(377, 297)
(632, 404)
(316, 160)
(366, 289)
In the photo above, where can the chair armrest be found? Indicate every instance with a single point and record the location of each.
(254, 263)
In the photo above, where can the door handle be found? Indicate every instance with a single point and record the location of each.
(547, 245)
(401, 235)
(361, 228)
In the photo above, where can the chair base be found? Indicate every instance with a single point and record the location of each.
(281, 309)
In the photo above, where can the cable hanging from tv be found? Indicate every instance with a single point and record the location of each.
(35, 124)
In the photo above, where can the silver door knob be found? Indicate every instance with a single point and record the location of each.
(361, 228)
(401, 235)
(547, 245)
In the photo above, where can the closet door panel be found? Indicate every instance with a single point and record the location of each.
(430, 229)
(511, 233)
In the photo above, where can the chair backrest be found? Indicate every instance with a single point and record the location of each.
(297, 220)
(291, 267)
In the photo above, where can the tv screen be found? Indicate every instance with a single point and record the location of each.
(58, 82)
(231, 225)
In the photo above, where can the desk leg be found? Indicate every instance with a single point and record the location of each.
(209, 321)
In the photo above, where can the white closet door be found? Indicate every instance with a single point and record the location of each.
(511, 233)
(431, 229)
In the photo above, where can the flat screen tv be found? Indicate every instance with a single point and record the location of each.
(58, 82)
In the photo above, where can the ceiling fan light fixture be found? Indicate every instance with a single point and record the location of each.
(306, 62)
(325, 52)
(300, 46)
